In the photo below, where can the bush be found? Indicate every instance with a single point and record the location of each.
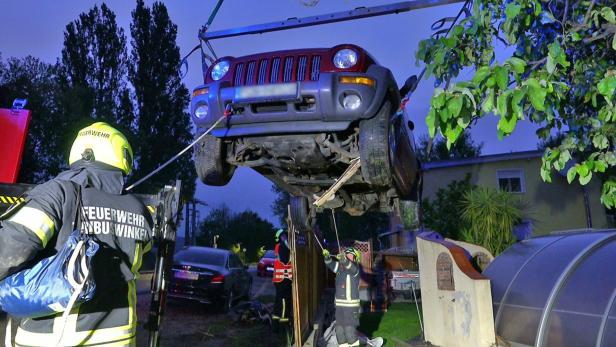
(490, 216)
(444, 213)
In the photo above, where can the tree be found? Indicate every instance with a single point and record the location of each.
(239, 230)
(560, 75)
(490, 216)
(279, 206)
(163, 126)
(464, 147)
(444, 213)
(93, 73)
(36, 81)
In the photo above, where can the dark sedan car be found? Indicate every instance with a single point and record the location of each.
(209, 275)
(265, 266)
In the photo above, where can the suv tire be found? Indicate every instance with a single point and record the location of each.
(210, 163)
(300, 213)
(374, 147)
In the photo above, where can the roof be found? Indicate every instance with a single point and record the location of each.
(481, 159)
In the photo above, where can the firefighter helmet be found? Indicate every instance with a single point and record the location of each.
(278, 233)
(354, 252)
(102, 143)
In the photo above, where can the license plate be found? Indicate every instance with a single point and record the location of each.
(270, 269)
(186, 275)
(283, 91)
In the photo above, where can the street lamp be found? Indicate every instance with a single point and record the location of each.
(215, 238)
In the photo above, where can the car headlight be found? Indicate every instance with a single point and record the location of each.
(345, 58)
(220, 70)
(201, 111)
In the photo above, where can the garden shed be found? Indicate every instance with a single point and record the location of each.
(557, 290)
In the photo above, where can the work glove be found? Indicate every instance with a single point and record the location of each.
(340, 256)
(326, 253)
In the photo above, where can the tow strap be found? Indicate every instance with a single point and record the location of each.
(175, 157)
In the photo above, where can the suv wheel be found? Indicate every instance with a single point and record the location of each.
(374, 147)
(210, 162)
(301, 216)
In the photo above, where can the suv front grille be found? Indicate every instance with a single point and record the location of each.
(277, 70)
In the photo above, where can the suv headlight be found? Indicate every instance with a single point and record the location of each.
(220, 70)
(201, 111)
(345, 58)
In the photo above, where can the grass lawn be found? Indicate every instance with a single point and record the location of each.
(400, 322)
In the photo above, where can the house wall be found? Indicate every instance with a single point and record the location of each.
(551, 206)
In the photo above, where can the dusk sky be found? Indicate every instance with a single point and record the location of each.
(36, 28)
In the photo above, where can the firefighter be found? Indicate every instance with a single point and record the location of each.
(283, 275)
(347, 294)
(100, 159)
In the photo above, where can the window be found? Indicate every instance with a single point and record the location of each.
(511, 181)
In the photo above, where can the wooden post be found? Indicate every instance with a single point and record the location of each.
(297, 326)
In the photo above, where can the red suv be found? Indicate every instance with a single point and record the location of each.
(299, 117)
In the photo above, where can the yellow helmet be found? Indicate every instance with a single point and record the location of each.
(102, 143)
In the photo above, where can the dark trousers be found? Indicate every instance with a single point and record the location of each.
(283, 305)
(347, 321)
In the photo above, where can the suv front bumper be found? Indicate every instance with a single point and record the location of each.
(317, 106)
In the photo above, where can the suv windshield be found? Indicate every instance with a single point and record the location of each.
(201, 256)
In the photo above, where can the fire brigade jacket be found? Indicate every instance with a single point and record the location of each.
(347, 281)
(120, 224)
(282, 264)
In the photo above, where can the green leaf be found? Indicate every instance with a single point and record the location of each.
(610, 158)
(607, 86)
(546, 174)
(431, 122)
(556, 55)
(481, 74)
(600, 166)
(438, 100)
(518, 95)
(536, 94)
(502, 77)
(585, 179)
(608, 14)
(614, 42)
(551, 64)
(488, 103)
(512, 10)
(506, 124)
(582, 170)
(501, 103)
(564, 157)
(454, 105)
(571, 174)
(518, 65)
(600, 141)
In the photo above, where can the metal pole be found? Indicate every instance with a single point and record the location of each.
(294, 23)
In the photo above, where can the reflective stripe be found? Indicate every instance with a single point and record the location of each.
(284, 306)
(37, 221)
(356, 343)
(336, 267)
(343, 303)
(118, 336)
